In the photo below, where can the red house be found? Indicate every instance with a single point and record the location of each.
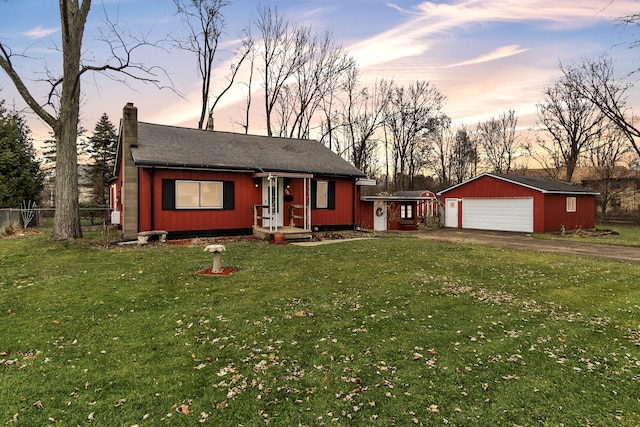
(518, 203)
(402, 211)
(192, 182)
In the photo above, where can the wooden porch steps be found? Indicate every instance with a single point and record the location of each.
(290, 233)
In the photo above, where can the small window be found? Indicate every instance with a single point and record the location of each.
(199, 194)
(406, 211)
(571, 204)
(322, 195)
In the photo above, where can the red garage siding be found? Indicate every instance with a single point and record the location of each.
(487, 187)
(549, 206)
(556, 215)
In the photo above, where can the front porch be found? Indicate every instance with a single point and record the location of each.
(278, 213)
(290, 233)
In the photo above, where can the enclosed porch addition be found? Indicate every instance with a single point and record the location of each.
(286, 205)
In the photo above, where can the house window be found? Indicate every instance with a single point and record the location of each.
(571, 204)
(199, 195)
(322, 194)
(406, 211)
(187, 194)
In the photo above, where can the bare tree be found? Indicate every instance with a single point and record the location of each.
(464, 156)
(595, 81)
(243, 52)
(250, 49)
(413, 113)
(61, 109)
(572, 122)
(321, 67)
(205, 23)
(280, 57)
(442, 141)
(500, 144)
(606, 157)
(360, 117)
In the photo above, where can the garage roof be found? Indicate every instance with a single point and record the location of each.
(538, 183)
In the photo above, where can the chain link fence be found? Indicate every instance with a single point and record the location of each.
(43, 217)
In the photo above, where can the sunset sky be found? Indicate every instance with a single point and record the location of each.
(485, 56)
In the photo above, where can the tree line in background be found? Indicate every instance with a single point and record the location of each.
(311, 88)
(399, 133)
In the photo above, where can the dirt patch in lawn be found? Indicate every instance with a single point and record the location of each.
(588, 233)
(225, 271)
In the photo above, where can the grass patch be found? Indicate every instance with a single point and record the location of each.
(392, 331)
(628, 235)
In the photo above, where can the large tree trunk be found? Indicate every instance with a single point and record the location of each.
(66, 223)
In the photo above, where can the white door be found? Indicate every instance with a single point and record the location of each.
(451, 213)
(498, 214)
(379, 215)
(272, 195)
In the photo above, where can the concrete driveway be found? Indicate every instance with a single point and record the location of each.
(524, 241)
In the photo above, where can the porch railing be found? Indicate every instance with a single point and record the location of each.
(257, 216)
(293, 216)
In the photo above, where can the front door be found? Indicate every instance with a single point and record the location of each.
(379, 215)
(451, 213)
(272, 195)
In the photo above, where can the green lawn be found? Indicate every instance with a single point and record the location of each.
(628, 235)
(391, 331)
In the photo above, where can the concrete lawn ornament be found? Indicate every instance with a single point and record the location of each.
(217, 256)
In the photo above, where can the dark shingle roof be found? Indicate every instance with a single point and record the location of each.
(170, 146)
(538, 183)
(546, 185)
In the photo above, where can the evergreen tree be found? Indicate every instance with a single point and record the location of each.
(20, 176)
(101, 149)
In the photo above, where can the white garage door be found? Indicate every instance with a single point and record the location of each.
(498, 214)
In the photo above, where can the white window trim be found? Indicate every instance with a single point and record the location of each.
(177, 199)
(571, 204)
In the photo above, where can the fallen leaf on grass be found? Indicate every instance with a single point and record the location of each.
(301, 314)
(203, 417)
(510, 377)
(183, 409)
(200, 366)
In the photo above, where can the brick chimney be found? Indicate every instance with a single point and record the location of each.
(129, 173)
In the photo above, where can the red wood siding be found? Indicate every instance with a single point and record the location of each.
(549, 210)
(245, 197)
(556, 214)
(394, 222)
(365, 215)
(344, 212)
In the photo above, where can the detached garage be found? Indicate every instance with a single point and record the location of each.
(518, 203)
